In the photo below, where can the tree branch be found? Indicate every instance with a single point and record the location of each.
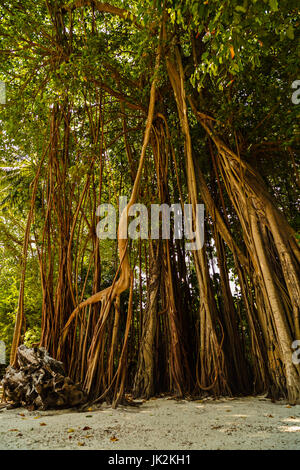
(105, 7)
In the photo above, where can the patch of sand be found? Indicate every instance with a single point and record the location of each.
(158, 424)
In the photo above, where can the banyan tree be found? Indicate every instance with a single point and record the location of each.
(163, 102)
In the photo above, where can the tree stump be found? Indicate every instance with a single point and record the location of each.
(39, 381)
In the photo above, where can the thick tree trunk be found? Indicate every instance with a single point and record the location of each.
(144, 382)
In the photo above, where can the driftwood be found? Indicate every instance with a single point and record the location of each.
(39, 381)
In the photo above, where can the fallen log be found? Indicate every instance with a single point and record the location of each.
(39, 381)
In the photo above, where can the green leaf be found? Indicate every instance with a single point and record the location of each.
(273, 5)
(240, 8)
(290, 32)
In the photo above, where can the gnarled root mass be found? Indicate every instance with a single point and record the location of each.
(39, 381)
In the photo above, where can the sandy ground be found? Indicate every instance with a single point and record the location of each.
(244, 423)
